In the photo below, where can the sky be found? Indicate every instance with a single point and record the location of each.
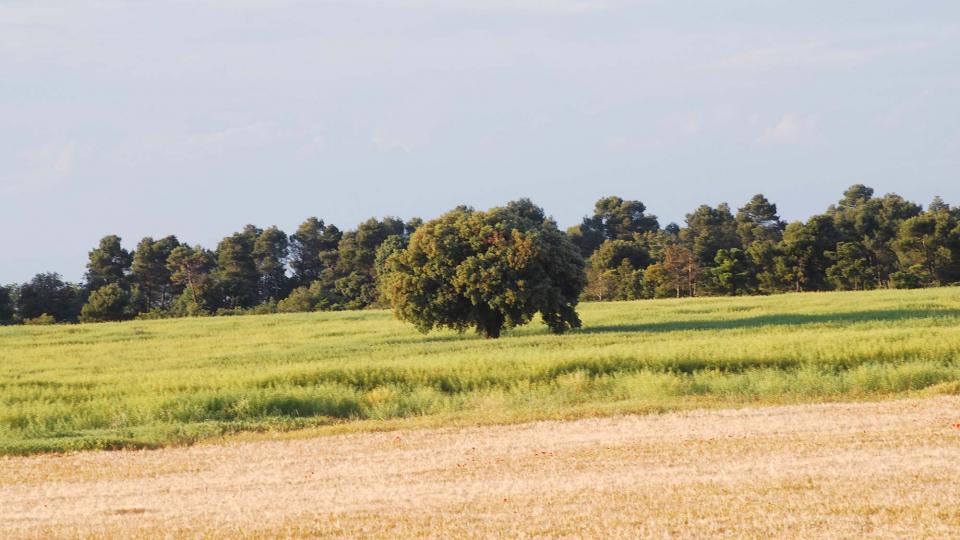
(197, 117)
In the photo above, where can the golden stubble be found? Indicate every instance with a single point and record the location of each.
(888, 469)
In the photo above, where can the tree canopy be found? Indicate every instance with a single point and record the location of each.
(862, 241)
(489, 271)
(110, 303)
(109, 263)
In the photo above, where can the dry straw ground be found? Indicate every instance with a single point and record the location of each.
(886, 469)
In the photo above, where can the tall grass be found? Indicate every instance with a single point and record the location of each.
(151, 383)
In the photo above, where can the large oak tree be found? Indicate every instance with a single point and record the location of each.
(489, 270)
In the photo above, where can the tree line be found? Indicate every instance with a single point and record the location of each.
(861, 242)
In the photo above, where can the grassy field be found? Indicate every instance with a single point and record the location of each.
(154, 383)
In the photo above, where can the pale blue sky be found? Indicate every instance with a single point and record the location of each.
(196, 117)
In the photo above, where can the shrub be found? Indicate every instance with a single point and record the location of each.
(302, 299)
(110, 303)
(913, 277)
(40, 320)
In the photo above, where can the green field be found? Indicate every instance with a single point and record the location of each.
(153, 383)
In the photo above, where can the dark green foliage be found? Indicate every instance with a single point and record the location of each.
(313, 248)
(109, 263)
(913, 277)
(625, 282)
(873, 223)
(732, 273)
(856, 195)
(6, 306)
(613, 219)
(938, 205)
(111, 303)
(356, 290)
(151, 273)
(49, 294)
(708, 231)
(805, 247)
(616, 271)
(931, 241)
(489, 270)
(391, 245)
(770, 266)
(863, 241)
(612, 253)
(412, 225)
(358, 249)
(340, 270)
(190, 305)
(192, 270)
(270, 252)
(303, 299)
(587, 239)
(355, 276)
(237, 275)
(851, 269)
(758, 221)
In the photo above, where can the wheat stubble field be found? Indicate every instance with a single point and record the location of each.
(884, 469)
(830, 415)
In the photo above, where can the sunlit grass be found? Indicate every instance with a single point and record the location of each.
(151, 383)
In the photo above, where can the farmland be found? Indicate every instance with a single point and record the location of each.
(145, 384)
(887, 469)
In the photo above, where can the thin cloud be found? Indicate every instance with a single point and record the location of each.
(813, 55)
(43, 168)
(546, 7)
(66, 159)
(790, 128)
(903, 112)
(252, 134)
